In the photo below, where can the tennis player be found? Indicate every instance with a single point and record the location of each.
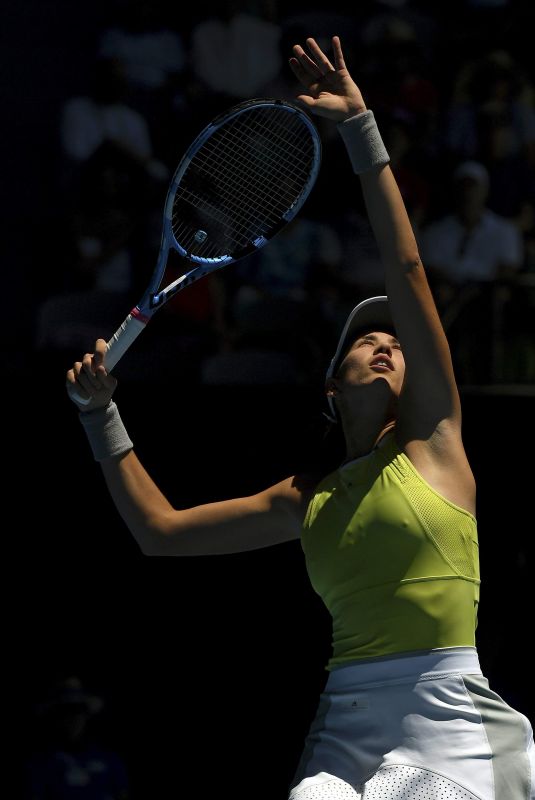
(389, 536)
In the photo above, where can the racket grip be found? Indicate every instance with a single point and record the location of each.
(119, 343)
(123, 337)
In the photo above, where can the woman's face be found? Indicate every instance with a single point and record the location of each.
(373, 355)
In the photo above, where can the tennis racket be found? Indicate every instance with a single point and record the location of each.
(243, 178)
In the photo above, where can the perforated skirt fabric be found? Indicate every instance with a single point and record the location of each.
(325, 787)
(424, 726)
(390, 783)
(402, 782)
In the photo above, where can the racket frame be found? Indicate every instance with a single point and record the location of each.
(154, 297)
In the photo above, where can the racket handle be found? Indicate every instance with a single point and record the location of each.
(123, 338)
(118, 345)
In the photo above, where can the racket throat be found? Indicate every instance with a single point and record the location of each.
(157, 299)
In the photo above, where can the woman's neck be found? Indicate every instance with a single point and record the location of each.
(364, 444)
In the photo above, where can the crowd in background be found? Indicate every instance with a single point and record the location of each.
(454, 96)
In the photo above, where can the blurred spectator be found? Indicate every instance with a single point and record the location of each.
(398, 73)
(361, 270)
(470, 254)
(111, 175)
(491, 118)
(101, 244)
(68, 761)
(109, 179)
(410, 163)
(153, 54)
(472, 243)
(103, 217)
(154, 59)
(103, 115)
(320, 23)
(271, 330)
(284, 268)
(271, 342)
(235, 49)
(114, 180)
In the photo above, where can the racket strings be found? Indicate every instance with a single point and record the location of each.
(244, 218)
(241, 182)
(244, 178)
(270, 160)
(266, 174)
(286, 141)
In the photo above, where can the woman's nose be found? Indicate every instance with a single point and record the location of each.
(383, 347)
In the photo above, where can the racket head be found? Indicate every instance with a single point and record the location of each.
(244, 177)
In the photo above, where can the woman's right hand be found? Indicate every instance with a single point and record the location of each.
(89, 381)
(330, 90)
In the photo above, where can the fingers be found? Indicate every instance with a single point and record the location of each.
(322, 62)
(309, 72)
(81, 380)
(86, 375)
(101, 348)
(331, 92)
(304, 77)
(319, 65)
(88, 380)
(74, 388)
(93, 371)
(338, 55)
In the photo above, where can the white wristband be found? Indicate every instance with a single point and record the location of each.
(105, 432)
(363, 142)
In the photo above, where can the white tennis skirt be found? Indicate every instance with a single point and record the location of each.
(424, 726)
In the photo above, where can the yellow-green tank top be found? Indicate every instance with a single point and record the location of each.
(395, 563)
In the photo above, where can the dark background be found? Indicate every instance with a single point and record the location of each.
(211, 667)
